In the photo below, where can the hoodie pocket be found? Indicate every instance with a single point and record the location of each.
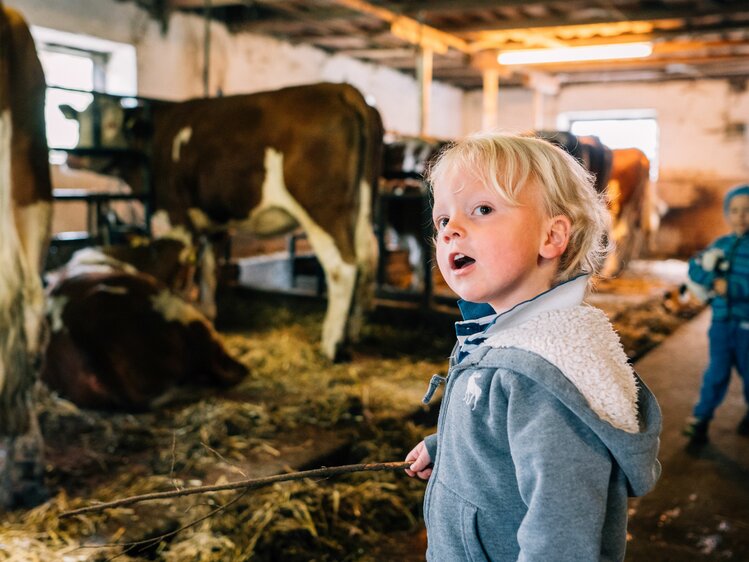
(474, 550)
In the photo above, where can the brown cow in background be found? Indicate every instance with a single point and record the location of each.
(633, 206)
(25, 203)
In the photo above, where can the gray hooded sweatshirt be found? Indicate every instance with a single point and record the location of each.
(543, 433)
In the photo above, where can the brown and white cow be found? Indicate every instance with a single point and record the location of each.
(623, 174)
(120, 339)
(25, 203)
(633, 205)
(267, 163)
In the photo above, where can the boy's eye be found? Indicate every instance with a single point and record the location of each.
(483, 210)
(441, 222)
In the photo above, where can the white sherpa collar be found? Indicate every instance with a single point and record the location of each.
(583, 345)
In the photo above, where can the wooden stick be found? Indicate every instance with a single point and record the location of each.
(246, 484)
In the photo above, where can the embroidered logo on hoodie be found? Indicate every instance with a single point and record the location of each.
(473, 392)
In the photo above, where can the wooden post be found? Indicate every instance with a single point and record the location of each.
(490, 112)
(207, 49)
(424, 76)
(538, 110)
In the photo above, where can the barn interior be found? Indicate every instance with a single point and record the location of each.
(433, 72)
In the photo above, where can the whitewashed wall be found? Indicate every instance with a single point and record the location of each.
(171, 66)
(703, 149)
(703, 144)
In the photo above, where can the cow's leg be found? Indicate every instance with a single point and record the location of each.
(340, 275)
(33, 229)
(20, 440)
(366, 262)
(207, 281)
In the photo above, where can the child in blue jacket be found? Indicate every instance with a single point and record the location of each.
(544, 428)
(720, 274)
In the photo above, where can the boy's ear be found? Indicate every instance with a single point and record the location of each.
(556, 238)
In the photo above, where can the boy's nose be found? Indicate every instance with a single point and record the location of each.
(453, 229)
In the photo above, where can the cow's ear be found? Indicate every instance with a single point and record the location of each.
(556, 237)
(68, 111)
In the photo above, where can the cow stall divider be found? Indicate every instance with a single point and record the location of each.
(99, 154)
(405, 275)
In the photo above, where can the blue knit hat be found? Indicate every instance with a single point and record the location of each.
(742, 189)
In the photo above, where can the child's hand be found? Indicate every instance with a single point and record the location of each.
(710, 258)
(720, 286)
(421, 463)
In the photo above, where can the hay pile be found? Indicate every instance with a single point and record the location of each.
(294, 408)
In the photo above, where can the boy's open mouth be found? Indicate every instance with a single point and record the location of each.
(459, 261)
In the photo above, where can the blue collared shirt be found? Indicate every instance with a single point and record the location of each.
(480, 320)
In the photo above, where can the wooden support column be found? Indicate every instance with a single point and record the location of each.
(538, 110)
(543, 86)
(424, 77)
(490, 113)
(207, 48)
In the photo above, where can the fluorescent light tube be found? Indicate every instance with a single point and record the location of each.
(570, 54)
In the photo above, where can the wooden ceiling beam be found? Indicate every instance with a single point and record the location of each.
(183, 4)
(434, 6)
(651, 14)
(409, 29)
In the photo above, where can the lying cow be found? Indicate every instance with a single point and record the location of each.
(25, 203)
(266, 164)
(121, 340)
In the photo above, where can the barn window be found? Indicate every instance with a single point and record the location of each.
(73, 65)
(631, 129)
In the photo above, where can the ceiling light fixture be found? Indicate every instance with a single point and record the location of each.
(571, 54)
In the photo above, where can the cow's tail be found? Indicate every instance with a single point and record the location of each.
(369, 159)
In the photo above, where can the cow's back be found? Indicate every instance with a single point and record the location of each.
(210, 154)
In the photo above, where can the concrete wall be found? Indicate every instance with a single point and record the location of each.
(171, 66)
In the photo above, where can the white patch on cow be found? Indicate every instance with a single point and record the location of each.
(86, 261)
(339, 275)
(208, 281)
(55, 309)
(173, 309)
(181, 138)
(11, 344)
(366, 259)
(102, 288)
(161, 227)
(200, 221)
(160, 224)
(21, 296)
(33, 230)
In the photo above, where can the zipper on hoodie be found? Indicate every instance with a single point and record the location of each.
(449, 381)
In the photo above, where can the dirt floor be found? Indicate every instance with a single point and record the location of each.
(295, 410)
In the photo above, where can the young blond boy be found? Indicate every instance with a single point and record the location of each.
(544, 428)
(720, 274)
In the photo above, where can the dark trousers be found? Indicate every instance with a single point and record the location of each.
(729, 347)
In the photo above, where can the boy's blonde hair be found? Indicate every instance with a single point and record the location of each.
(507, 162)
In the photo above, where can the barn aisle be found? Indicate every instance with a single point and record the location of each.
(700, 508)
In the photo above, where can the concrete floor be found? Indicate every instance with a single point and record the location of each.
(700, 507)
